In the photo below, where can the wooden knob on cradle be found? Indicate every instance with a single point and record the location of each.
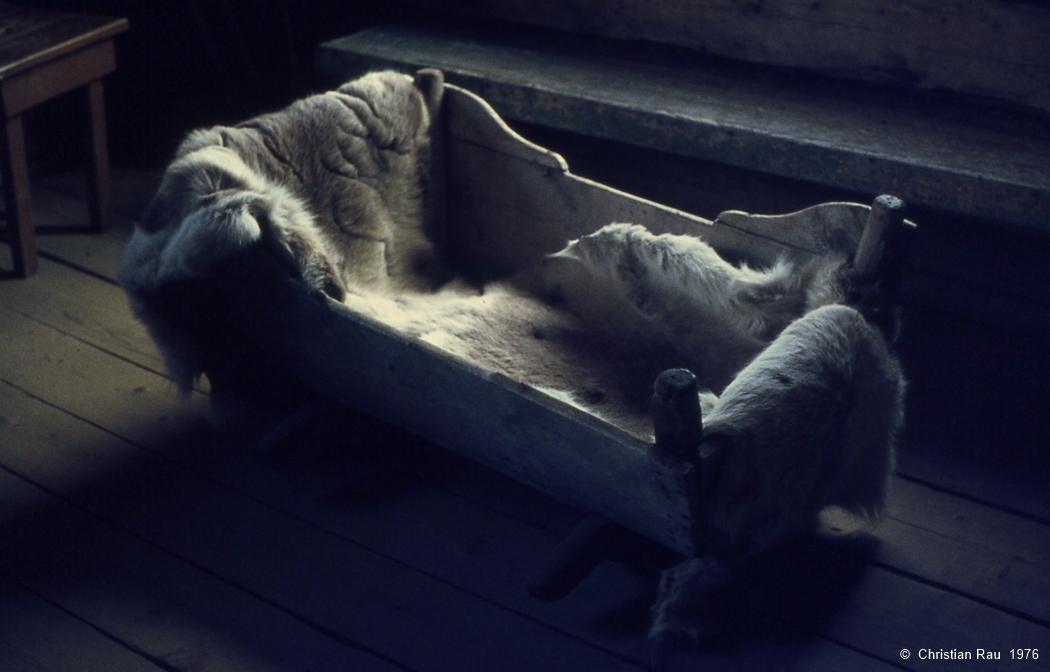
(883, 245)
(677, 423)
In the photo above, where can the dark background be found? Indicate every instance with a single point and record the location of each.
(184, 64)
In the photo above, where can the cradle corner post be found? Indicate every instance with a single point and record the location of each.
(710, 461)
(691, 480)
(679, 432)
(883, 245)
(677, 424)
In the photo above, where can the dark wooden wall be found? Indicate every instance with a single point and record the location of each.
(991, 48)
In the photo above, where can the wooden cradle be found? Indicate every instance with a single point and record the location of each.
(505, 203)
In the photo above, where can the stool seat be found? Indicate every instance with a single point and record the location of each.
(43, 54)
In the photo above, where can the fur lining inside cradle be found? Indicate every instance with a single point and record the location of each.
(596, 323)
(335, 189)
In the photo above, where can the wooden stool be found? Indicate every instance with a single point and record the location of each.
(43, 54)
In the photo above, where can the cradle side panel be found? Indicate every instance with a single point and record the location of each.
(510, 202)
(487, 417)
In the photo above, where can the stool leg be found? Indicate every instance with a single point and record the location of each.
(17, 198)
(99, 187)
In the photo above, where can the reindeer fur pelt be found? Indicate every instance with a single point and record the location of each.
(335, 185)
(801, 394)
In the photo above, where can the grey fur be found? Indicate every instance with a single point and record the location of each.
(335, 184)
(810, 423)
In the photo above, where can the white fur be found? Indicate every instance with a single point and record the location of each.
(626, 280)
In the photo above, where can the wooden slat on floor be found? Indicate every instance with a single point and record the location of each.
(37, 635)
(170, 613)
(382, 546)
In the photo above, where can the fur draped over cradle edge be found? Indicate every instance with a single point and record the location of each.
(336, 185)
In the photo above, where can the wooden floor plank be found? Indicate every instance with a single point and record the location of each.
(85, 308)
(61, 219)
(400, 506)
(1004, 559)
(37, 635)
(965, 547)
(925, 617)
(961, 476)
(99, 254)
(388, 505)
(176, 615)
(934, 536)
(336, 585)
(11, 658)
